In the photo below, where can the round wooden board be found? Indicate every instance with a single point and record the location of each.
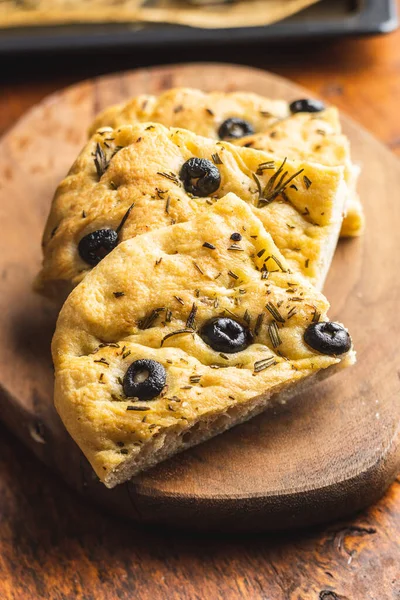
(327, 454)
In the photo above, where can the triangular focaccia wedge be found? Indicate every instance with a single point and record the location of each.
(154, 298)
(142, 166)
(315, 137)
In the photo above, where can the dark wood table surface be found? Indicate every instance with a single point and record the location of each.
(54, 546)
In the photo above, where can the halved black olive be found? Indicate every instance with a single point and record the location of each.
(235, 128)
(306, 105)
(236, 237)
(226, 335)
(200, 177)
(328, 338)
(94, 246)
(145, 379)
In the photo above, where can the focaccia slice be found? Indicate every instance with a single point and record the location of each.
(273, 126)
(181, 333)
(144, 176)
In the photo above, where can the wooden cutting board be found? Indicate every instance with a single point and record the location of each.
(329, 453)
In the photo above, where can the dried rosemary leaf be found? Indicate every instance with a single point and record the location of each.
(216, 159)
(265, 166)
(258, 324)
(316, 316)
(100, 161)
(173, 333)
(149, 319)
(273, 333)
(102, 361)
(277, 262)
(275, 312)
(191, 317)
(196, 266)
(124, 218)
(263, 364)
(307, 181)
(208, 245)
(171, 176)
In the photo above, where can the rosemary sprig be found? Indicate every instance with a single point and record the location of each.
(276, 185)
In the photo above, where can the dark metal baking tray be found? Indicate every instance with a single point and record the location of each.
(326, 18)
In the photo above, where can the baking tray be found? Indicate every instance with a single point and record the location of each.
(326, 18)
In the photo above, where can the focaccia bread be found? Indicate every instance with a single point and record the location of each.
(18, 13)
(144, 176)
(183, 332)
(301, 130)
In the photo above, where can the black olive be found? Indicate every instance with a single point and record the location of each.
(94, 246)
(327, 338)
(200, 177)
(236, 237)
(145, 379)
(226, 335)
(235, 128)
(306, 105)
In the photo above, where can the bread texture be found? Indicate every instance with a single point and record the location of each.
(137, 168)
(149, 299)
(314, 137)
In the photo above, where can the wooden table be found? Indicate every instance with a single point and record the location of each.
(53, 546)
